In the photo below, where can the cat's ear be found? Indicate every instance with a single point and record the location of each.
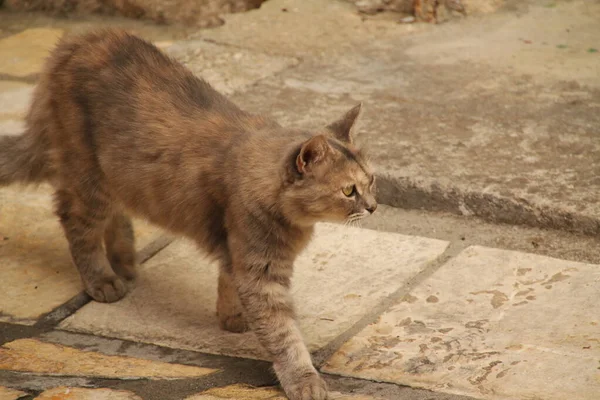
(312, 152)
(343, 129)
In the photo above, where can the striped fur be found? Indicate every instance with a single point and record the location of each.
(119, 128)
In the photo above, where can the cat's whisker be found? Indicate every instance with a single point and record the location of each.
(350, 220)
(354, 220)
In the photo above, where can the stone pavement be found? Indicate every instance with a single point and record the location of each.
(491, 116)
(484, 323)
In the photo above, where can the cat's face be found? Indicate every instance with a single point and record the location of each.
(335, 181)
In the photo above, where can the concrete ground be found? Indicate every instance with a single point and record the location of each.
(483, 284)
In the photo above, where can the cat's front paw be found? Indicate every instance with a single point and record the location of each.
(107, 290)
(127, 271)
(308, 386)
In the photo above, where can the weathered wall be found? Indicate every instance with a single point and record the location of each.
(203, 13)
(374, 6)
(429, 10)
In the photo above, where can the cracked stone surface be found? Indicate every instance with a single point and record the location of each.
(493, 324)
(227, 68)
(37, 272)
(75, 393)
(7, 393)
(173, 303)
(34, 356)
(24, 54)
(249, 393)
(309, 28)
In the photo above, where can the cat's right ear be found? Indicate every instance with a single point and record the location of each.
(312, 152)
(343, 129)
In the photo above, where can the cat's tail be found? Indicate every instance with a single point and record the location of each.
(23, 159)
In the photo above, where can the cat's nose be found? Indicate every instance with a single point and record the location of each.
(371, 209)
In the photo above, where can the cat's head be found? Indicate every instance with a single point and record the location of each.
(332, 180)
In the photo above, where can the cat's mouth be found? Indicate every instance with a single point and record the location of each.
(355, 219)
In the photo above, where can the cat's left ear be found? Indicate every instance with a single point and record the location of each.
(343, 129)
(312, 152)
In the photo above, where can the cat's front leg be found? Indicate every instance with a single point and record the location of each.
(263, 289)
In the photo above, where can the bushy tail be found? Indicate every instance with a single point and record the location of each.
(23, 159)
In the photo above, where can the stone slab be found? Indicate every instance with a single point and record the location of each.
(14, 99)
(14, 102)
(341, 276)
(23, 54)
(10, 394)
(163, 44)
(75, 393)
(493, 324)
(11, 126)
(227, 68)
(34, 356)
(264, 393)
(37, 272)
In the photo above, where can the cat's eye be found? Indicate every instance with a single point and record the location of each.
(349, 190)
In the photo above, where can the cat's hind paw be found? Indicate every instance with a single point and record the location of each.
(107, 290)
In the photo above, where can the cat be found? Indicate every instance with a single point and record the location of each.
(118, 127)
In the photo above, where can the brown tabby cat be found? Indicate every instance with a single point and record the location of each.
(118, 127)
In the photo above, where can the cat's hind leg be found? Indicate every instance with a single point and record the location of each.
(84, 215)
(229, 307)
(119, 240)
